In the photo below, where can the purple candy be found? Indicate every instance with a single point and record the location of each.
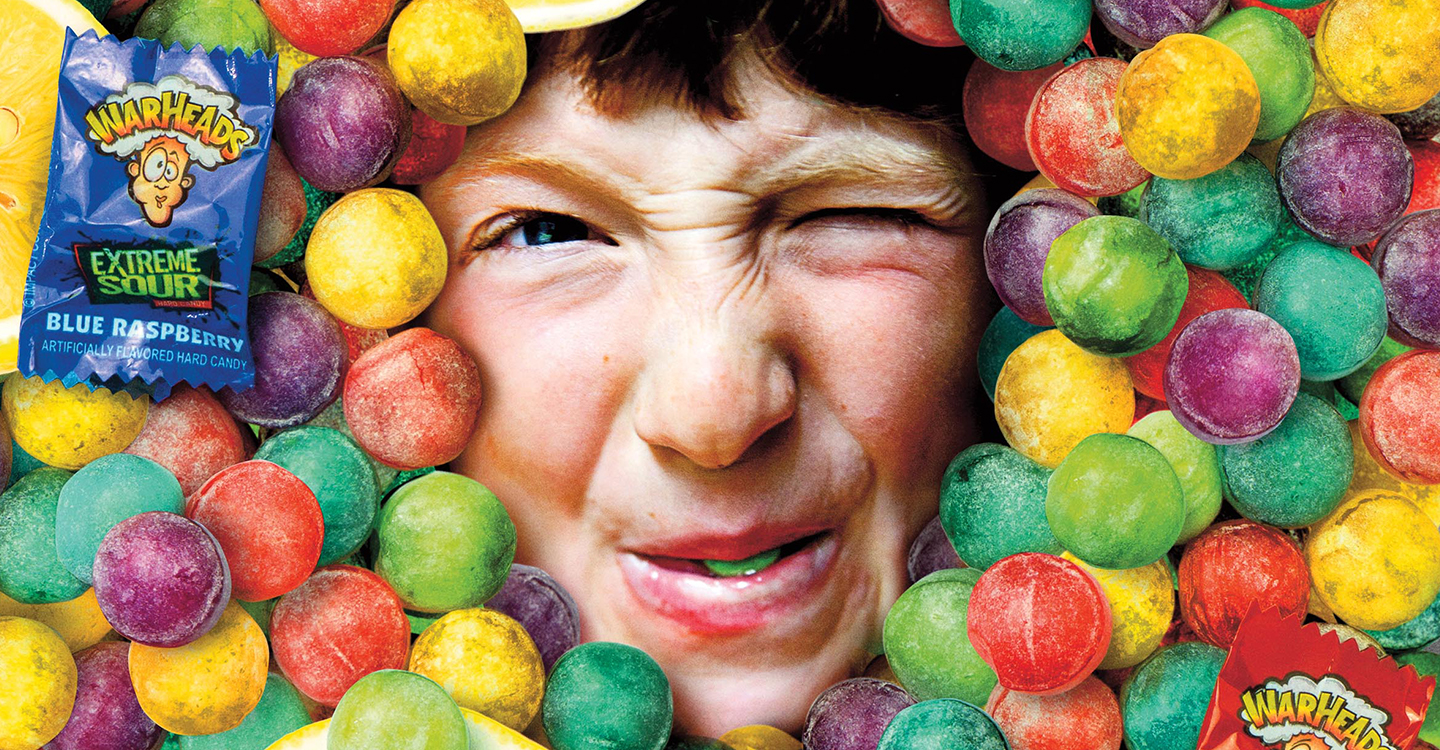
(1345, 175)
(299, 362)
(851, 715)
(1018, 241)
(1407, 259)
(343, 123)
(1142, 23)
(1231, 376)
(107, 715)
(1420, 124)
(931, 551)
(543, 607)
(161, 579)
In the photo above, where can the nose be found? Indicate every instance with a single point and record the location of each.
(714, 382)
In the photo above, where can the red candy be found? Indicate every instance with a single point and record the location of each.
(996, 102)
(1398, 418)
(412, 400)
(267, 522)
(1209, 291)
(1426, 193)
(1086, 717)
(342, 624)
(1041, 622)
(326, 28)
(434, 146)
(1074, 135)
(1308, 19)
(924, 21)
(1235, 564)
(192, 435)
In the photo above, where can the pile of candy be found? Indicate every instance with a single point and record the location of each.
(1233, 247)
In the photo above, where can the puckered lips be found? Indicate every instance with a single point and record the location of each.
(716, 583)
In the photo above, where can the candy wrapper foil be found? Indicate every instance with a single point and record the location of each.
(1290, 687)
(139, 274)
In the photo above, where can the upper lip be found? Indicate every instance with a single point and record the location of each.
(727, 545)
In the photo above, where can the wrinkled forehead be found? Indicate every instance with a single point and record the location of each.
(784, 135)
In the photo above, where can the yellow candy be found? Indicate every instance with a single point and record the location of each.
(1317, 607)
(1325, 96)
(1370, 476)
(1381, 55)
(1375, 561)
(759, 737)
(1142, 603)
(1052, 394)
(484, 734)
(290, 60)
(1187, 106)
(459, 61)
(486, 662)
(38, 675)
(1041, 182)
(78, 621)
(376, 258)
(208, 685)
(70, 427)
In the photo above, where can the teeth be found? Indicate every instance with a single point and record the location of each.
(748, 566)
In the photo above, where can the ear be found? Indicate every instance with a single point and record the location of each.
(133, 168)
(186, 182)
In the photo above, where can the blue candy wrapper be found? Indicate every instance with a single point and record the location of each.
(139, 275)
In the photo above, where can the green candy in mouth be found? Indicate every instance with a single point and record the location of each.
(748, 566)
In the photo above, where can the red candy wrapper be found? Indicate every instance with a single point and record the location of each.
(1290, 687)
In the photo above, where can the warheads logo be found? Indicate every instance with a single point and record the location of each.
(1303, 714)
(159, 130)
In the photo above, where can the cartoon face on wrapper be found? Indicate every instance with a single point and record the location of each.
(158, 179)
(1306, 741)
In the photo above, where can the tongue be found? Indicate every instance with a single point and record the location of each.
(748, 566)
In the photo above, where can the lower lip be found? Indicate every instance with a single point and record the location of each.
(712, 605)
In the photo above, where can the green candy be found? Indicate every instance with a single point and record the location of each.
(260, 612)
(1221, 221)
(229, 24)
(445, 543)
(992, 505)
(1278, 55)
(339, 474)
(1115, 503)
(926, 642)
(1195, 464)
(1427, 664)
(1124, 204)
(607, 696)
(748, 566)
(1163, 702)
(279, 713)
(30, 570)
(21, 463)
(1003, 335)
(316, 201)
(1330, 302)
(1113, 286)
(1295, 475)
(397, 710)
(1021, 34)
(105, 492)
(942, 725)
(1419, 632)
(1352, 385)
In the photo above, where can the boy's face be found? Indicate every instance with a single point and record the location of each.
(158, 179)
(712, 340)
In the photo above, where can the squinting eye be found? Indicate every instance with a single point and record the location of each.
(155, 166)
(547, 229)
(865, 215)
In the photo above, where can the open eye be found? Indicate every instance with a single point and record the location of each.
(170, 172)
(155, 166)
(546, 229)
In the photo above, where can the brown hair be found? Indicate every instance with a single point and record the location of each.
(686, 50)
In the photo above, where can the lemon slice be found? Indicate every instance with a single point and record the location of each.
(485, 734)
(556, 15)
(32, 34)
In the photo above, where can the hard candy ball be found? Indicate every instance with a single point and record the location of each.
(1003, 335)
(853, 714)
(545, 609)
(1297, 474)
(1015, 35)
(992, 505)
(926, 642)
(1419, 632)
(1086, 717)
(1187, 107)
(1208, 292)
(279, 712)
(1278, 55)
(1375, 560)
(1409, 270)
(1345, 175)
(30, 569)
(1018, 241)
(1220, 221)
(1195, 464)
(1382, 55)
(1142, 606)
(326, 28)
(211, 24)
(343, 123)
(940, 724)
(1163, 703)
(1074, 134)
(460, 61)
(161, 579)
(486, 662)
(79, 622)
(299, 362)
(340, 476)
(1232, 376)
(40, 681)
(394, 708)
(208, 685)
(1115, 502)
(106, 714)
(70, 427)
(607, 695)
(1142, 23)
(104, 493)
(1233, 566)
(931, 551)
(192, 435)
(1398, 419)
(995, 103)
(282, 205)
